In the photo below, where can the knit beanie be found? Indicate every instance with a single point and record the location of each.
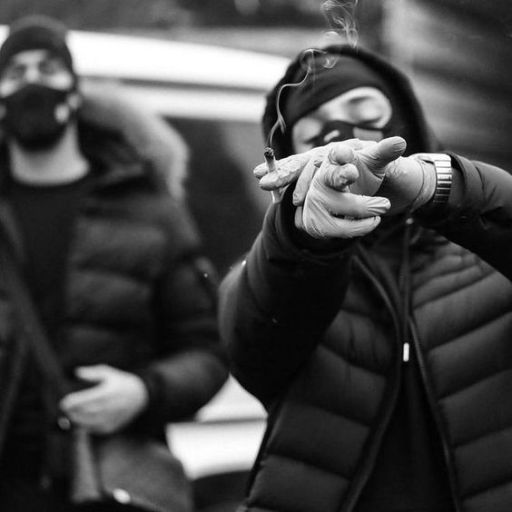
(36, 32)
(317, 75)
(325, 77)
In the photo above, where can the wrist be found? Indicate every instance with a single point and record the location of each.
(437, 179)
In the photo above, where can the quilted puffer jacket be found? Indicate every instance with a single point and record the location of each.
(319, 338)
(316, 339)
(139, 295)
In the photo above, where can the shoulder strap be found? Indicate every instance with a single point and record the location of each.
(32, 332)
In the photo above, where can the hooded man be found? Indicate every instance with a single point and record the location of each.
(379, 347)
(90, 207)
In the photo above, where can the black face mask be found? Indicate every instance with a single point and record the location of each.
(334, 131)
(31, 116)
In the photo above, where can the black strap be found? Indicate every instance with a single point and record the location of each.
(32, 332)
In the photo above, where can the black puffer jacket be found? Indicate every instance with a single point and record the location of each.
(317, 338)
(139, 295)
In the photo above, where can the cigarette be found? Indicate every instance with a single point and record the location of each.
(270, 160)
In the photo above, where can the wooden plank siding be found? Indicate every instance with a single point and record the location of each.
(460, 62)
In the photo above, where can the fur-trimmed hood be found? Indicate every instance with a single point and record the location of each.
(113, 130)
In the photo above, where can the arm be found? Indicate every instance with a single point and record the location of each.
(275, 306)
(478, 214)
(189, 367)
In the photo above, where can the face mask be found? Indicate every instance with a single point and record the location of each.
(36, 115)
(334, 131)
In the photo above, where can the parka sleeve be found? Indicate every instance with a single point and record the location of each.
(276, 304)
(478, 215)
(189, 366)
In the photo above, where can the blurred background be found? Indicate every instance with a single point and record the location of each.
(457, 53)
(205, 66)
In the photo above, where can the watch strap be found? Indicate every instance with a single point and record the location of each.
(443, 168)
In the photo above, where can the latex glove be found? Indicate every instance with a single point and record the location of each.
(330, 209)
(116, 399)
(290, 168)
(372, 160)
(407, 182)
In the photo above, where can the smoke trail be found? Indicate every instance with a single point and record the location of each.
(340, 15)
(305, 59)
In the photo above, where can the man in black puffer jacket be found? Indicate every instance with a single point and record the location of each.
(379, 346)
(91, 205)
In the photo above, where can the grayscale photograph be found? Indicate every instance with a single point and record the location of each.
(253, 256)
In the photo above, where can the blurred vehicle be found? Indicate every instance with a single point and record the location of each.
(214, 97)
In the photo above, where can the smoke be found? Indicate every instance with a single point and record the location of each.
(305, 60)
(340, 15)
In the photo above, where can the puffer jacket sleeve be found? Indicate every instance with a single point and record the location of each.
(276, 304)
(190, 365)
(478, 215)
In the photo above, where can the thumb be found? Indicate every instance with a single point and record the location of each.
(377, 156)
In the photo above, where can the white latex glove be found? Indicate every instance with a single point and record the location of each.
(372, 160)
(330, 208)
(116, 399)
(406, 182)
(290, 168)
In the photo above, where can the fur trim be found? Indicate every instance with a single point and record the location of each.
(150, 137)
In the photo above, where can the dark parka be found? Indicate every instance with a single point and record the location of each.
(139, 296)
(317, 338)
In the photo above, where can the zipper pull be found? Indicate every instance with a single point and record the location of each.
(405, 352)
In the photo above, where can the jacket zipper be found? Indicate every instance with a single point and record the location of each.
(406, 347)
(436, 416)
(361, 479)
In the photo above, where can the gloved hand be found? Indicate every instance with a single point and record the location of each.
(407, 182)
(330, 210)
(290, 168)
(326, 204)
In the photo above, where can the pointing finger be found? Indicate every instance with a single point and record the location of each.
(377, 156)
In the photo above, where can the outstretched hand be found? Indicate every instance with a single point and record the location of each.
(406, 182)
(336, 198)
(371, 159)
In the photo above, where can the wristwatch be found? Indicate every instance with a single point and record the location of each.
(443, 167)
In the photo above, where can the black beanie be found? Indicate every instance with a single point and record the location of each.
(323, 77)
(331, 71)
(36, 32)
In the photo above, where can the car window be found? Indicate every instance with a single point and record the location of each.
(222, 193)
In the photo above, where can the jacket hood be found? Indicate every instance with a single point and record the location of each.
(278, 134)
(115, 133)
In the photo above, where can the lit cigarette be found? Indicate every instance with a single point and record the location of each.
(270, 159)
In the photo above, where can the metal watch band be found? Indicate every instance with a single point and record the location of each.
(443, 166)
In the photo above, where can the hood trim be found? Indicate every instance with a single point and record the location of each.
(149, 141)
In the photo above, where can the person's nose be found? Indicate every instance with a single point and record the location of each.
(32, 74)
